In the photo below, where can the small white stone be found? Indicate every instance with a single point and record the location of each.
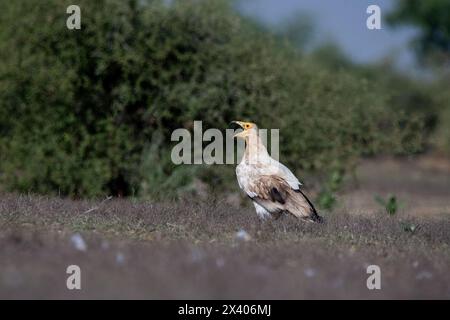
(78, 242)
(310, 272)
(243, 235)
(120, 258)
(197, 255)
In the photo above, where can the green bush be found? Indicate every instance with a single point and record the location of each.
(89, 112)
(441, 137)
(432, 46)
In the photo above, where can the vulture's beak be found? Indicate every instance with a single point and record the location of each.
(241, 133)
(239, 123)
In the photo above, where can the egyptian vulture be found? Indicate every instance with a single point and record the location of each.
(270, 185)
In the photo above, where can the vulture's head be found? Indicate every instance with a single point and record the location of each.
(249, 129)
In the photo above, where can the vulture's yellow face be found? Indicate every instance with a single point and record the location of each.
(248, 128)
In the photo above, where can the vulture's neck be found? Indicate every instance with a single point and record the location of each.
(255, 151)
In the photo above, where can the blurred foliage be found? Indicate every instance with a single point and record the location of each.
(390, 204)
(432, 17)
(327, 196)
(90, 112)
(441, 137)
(297, 28)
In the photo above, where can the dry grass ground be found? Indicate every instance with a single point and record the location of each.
(191, 250)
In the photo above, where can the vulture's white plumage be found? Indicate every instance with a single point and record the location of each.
(271, 186)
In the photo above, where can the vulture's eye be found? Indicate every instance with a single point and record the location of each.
(247, 126)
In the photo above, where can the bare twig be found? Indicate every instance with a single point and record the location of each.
(98, 207)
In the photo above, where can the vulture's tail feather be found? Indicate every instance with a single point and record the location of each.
(314, 217)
